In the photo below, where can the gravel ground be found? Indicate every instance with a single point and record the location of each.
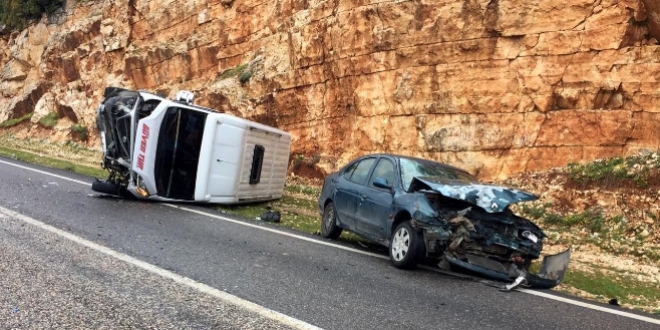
(51, 283)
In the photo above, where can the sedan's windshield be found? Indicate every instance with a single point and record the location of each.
(411, 168)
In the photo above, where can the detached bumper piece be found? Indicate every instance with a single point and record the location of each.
(553, 270)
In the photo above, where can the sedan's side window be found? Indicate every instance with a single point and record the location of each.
(361, 171)
(349, 171)
(384, 169)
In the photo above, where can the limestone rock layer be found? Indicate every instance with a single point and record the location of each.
(493, 86)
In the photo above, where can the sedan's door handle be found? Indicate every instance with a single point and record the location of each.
(363, 197)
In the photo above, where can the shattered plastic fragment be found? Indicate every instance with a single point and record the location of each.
(519, 281)
(552, 271)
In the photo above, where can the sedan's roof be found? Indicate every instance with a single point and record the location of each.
(416, 159)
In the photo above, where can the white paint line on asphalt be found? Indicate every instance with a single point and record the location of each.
(272, 230)
(203, 288)
(590, 306)
(532, 292)
(219, 217)
(45, 173)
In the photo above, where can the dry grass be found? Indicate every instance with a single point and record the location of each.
(68, 150)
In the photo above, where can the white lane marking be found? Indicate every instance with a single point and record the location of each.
(263, 311)
(532, 292)
(272, 230)
(45, 173)
(590, 306)
(219, 217)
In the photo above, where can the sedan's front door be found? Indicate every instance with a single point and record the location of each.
(375, 203)
(347, 194)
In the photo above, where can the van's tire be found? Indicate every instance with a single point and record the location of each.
(110, 91)
(105, 187)
(406, 246)
(329, 228)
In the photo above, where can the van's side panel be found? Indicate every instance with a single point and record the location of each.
(273, 169)
(225, 160)
(231, 162)
(278, 165)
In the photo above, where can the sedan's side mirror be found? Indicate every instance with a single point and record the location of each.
(382, 183)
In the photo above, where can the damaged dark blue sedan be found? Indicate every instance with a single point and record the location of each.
(420, 208)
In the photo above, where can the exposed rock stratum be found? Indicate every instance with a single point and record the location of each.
(493, 86)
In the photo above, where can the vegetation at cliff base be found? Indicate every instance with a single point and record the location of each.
(49, 120)
(614, 172)
(13, 122)
(79, 130)
(15, 13)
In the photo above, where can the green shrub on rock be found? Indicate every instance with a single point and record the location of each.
(14, 14)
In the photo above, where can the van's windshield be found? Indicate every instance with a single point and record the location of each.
(177, 156)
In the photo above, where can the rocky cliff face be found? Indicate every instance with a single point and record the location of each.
(493, 86)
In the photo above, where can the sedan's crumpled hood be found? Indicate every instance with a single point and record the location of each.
(489, 197)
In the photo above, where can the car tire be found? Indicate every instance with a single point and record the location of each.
(329, 228)
(111, 91)
(406, 246)
(105, 187)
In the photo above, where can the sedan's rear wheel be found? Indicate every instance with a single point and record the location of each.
(329, 228)
(406, 246)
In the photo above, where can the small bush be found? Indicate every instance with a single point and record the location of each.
(617, 219)
(13, 122)
(245, 76)
(600, 170)
(593, 219)
(611, 172)
(80, 130)
(49, 120)
(553, 219)
(15, 13)
(534, 211)
(233, 72)
(297, 161)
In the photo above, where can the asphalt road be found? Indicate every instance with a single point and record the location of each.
(50, 281)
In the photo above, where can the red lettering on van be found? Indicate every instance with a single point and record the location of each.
(145, 136)
(140, 163)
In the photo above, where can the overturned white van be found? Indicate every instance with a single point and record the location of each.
(172, 150)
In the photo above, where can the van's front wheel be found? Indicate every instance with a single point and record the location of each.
(106, 187)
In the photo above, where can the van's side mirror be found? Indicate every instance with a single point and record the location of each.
(382, 183)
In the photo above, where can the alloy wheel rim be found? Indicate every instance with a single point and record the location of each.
(329, 220)
(400, 244)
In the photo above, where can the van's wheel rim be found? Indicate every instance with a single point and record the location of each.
(329, 220)
(400, 244)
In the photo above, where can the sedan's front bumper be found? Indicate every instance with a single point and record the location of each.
(553, 270)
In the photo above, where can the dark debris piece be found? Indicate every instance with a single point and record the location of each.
(271, 216)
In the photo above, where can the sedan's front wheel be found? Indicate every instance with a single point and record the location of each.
(406, 246)
(329, 228)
